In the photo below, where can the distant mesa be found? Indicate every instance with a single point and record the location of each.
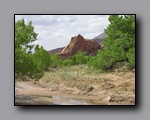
(100, 39)
(53, 51)
(78, 43)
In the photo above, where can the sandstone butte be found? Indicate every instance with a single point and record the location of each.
(78, 43)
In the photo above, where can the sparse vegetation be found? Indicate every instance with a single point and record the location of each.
(119, 49)
(75, 77)
(111, 71)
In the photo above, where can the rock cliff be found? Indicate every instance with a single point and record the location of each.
(78, 43)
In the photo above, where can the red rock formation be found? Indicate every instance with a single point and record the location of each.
(78, 43)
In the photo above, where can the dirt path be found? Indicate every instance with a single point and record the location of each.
(27, 93)
(31, 93)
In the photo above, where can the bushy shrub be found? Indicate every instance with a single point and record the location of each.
(92, 61)
(131, 57)
(42, 58)
(56, 60)
(67, 62)
(98, 61)
(79, 58)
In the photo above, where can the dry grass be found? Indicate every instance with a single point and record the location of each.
(85, 79)
(119, 84)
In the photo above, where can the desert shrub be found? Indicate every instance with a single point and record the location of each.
(67, 62)
(92, 61)
(79, 58)
(98, 61)
(56, 60)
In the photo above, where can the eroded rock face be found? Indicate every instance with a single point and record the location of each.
(78, 43)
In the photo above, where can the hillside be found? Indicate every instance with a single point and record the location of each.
(100, 38)
(53, 51)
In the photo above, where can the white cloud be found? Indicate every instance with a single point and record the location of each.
(95, 24)
(98, 21)
(61, 33)
(90, 35)
(56, 30)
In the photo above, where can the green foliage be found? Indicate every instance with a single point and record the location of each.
(24, 34)
(28, 63)
(67, 62)
(119, 45)
(119, 49)
(79, 58)
(131, 57)
(92, 62)
(42, 58)
(100, 61)
(56, 60)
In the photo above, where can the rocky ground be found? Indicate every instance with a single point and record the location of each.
(78, 85)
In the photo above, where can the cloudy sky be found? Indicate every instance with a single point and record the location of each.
(56, 30)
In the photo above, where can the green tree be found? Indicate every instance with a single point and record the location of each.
(24, 35)
(42, 58)
(56, 60)
(67, 62)
(120, 40)
(119, 44)
(79, 58)
(28, 63)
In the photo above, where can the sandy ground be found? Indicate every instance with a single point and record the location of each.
(35, 93)
(27, 93)
(78, 85)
